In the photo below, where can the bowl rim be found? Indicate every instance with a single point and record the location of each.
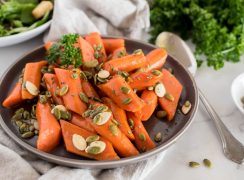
(234, 97)
(91, 164)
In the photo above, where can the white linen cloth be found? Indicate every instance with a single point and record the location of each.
(128, 18)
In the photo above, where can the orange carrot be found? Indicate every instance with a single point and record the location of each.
(95, 40)
(68, 130)
(14, 97)
(48, 45)
(88, 89)
(150, 99)
(156, 59)
(126, 63)
(120, 116)
(174, 88)
(82, 122)
(32, 74)
(71, 99)
(114, 89)
(142, 80)
(86, 50)
(52, 86)
(49, 129)
(118, 53)
(112, 44)
(142, 139)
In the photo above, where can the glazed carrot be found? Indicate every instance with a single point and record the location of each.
(82, 122)
(14, 97)
(142, 80)
(71, 99)
(156, 59)
(32, 74)
(151, 100)
(86, 50)
(112, 44)
(142, 139)
(48, 45)
(49, 128)
(120, 116)
(126, 63)
(118, 53)
(88, 89)
(174, 88)
(95, 40)
(114, 89)
(52, 86)
(68, 130)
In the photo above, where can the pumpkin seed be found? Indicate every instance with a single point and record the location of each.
(96, 147)
(93, 138)
(207, 163)
(95, 79)
(83, 97)
(158, 137)
(91, 64)
(169, 97)
(93, 150)
(26, 115)
(150, 88)
(160, 90)
(115, 122)
(156, 72)
(74, 76)
(65, 115)
(138, 51)
(87, 113)
(102, 118)
(124, 74)
(20, 110)
(17, 116)
(161, 114)
(194, 164)
(79, 142)
(43, 99)
(88, 74)
(18, 123)
(23, 127)
(31, 128)
(186, 107)
(101, 80)
(114, 129)
(171, 70)
(141, 70)
(33, 110)
(103, 74)
(142, 137)
(59, 107)
(64, 90)
(27, 134)
(131, 123)
(36, 132)
(97, 99)
(127, 101)
(31, 88)
(36, 125)
(57, 113)
(99, 66)
(48, 94)
(125, 90)
(83, 75)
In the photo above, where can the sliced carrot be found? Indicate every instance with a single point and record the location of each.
(88, 89)
(126, 63)
(49, 128)
(127, 101)
(112, 44)
(120, 116)
(32, 74)
(68, 130)
(151, 100)
(156, 59)
(52, 86)
(14, 97)
(86, 50)
(142, 80)
(95, 40)
(174, 88)
(48, 45)
(82, 122)
(71, 99)
(118, 53)
(142, 139)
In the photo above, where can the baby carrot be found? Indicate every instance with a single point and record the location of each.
(68, 130)
(112, 44)
(71, 86)
(121, 93)
(14, 97)
(52, 86)
(87, 51)
(95, 40)
(120, 116)
(32, 74)
(82, 122)
(118, 53)
(173, 91)
(49, 128)
(142, 139)
(88, 89)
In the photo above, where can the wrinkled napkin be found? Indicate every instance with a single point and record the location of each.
(128, 18)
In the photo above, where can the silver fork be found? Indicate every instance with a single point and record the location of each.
(233, 149)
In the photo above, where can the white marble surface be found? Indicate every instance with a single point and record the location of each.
(201, 140)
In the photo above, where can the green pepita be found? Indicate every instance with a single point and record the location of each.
(161, 114)
(65, 115)
(57, 113)
(20, 110)
(87, 113)
(88, 74)
(97, 119)
(31, 128)
(83, 97)
(115, 122)
(26, 115)
(99, 66)
(131, 123)
(64, 90)
(43, 99)
(125, 90)
(142, 137)
(17, 116)
(150, 88)
(97, 99)
(138, 51)
(158, 137)
(169, 97)
(91, 64)
(194, 164)
(93, 150)
(23, 127)
(93, 138)
(127, 101)
(156, 72)
(74, 75)
(207, 163)
(114, 129)
(18, 123)
(27, 134)
(83, 76)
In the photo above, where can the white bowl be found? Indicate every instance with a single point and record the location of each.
(237, 91)
(21, 37)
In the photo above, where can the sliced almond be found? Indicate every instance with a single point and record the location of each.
(96, 147)
(102, 118)
(160, 90)
(31, 88)
(103, 74)
(59, 107)
(79, 142)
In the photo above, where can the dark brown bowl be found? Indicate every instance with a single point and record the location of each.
(171, 131)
